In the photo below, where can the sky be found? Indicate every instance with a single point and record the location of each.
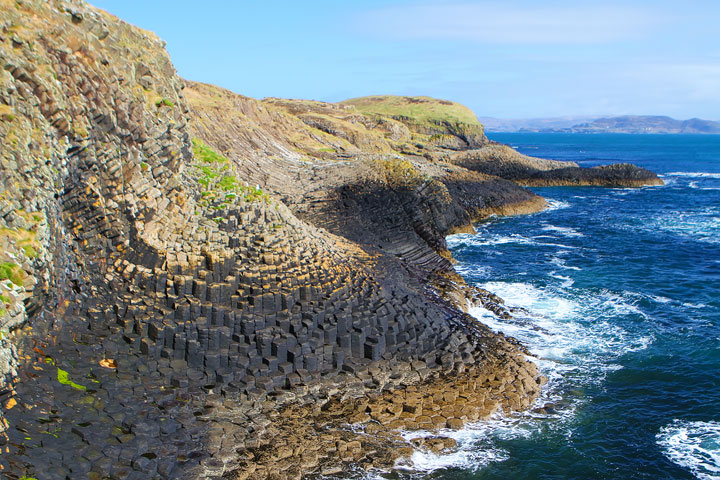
(501, 58)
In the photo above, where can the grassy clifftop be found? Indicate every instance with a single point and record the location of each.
(419, 109)
(426, 115)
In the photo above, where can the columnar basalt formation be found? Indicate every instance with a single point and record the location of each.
(183, 281)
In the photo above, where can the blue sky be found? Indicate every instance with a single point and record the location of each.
(502, 58)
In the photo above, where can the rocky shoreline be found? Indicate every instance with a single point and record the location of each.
(201, 285)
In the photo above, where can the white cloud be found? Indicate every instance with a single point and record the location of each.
(492, 22)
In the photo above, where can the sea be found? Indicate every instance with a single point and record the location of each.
(621, 289)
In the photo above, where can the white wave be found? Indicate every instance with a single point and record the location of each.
(569, 350)
(474, 450)
(474, 270)
(695, 186)
(478, 240)
(660, 298)
(567, 282)
(568, 332)
(555, 204)
(481, 239)
(693, 445)
(560, 262)
(701, 225)
(694, 305)
(694, 174)
(565, 231)
(476, 444)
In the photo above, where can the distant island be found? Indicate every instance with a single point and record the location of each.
(620, 124)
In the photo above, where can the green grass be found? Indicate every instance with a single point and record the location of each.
(228, 183)
(206, 154)
(30, 251)
(13, 272)
(416, 109)
(218, 184)
(5, 299)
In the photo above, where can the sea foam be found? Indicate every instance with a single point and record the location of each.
(693, 445)
(568, 329)
(569, 349)
(565, 231)
(694, 174)
(555, 204)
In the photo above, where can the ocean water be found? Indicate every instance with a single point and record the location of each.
(622, 290)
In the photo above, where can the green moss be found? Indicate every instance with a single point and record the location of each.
(2, 312)
(11, 271)
(164, 102)
(209, 172)
(22, 238)
(144, 166)
(63, 378)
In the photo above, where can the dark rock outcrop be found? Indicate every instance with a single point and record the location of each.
(503, 161)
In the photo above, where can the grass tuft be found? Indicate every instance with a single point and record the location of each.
(13, 272)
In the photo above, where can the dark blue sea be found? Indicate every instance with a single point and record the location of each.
(622, 287)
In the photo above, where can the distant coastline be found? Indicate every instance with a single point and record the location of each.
(631, 124)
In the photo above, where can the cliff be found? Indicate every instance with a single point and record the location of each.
(198, 284)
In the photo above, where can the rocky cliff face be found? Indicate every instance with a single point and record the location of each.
(186, 272)
(94, 145)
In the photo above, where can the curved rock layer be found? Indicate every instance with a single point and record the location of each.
(366, 191)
